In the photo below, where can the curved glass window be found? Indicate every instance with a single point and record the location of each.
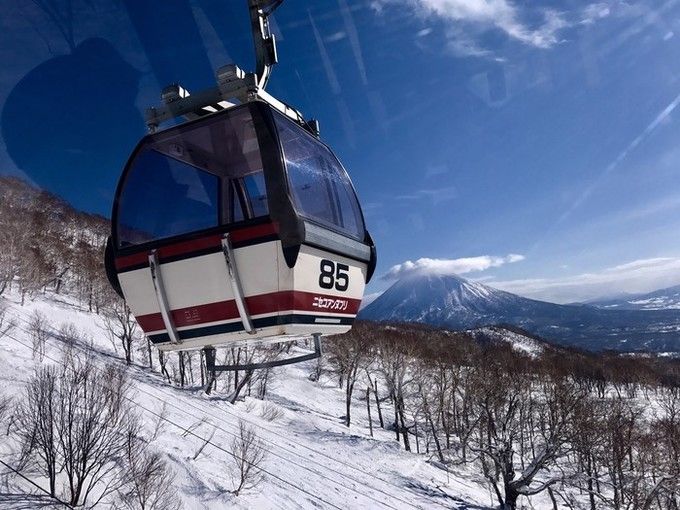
(321, 189)
(165, 197)
(174, 184)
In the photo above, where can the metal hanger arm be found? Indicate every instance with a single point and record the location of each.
(212, 368)
(264, 40)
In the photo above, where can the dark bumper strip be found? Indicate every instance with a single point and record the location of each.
(264, 322)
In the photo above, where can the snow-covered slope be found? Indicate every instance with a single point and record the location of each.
(662, 299)
(520, 343)
(453, 302)
(313, 460)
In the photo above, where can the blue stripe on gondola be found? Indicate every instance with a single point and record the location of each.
(264, 322)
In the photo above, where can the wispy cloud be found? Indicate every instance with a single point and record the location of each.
(482, 15)
(336, 36)
(460, 44)
(434, 195)
(593, 12)
(643, 275)
(449, 266)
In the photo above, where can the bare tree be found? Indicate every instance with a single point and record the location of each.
(36, 418)
(69, 427)
(271, 411)
(6, 323)
(521, 435)
(348, 354)
(148, 482)
(38, 327)
(121, 326)
(243, 379)
(164, 365)
(69, 334)
(5, 405)
(248, 454)
(91, 414)
(396, 353)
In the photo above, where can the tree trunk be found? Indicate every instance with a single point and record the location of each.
(148, 349)
(244, 380)
(368, 408)
(436, 439)
(127, 347)
(181, 369)
(511, 496)
(349, 388)
(396, 416)
(377, 402)
(415, 434)
(591, 495)
(552, 498)
(164, 369)
(201, 361)
(404, 430)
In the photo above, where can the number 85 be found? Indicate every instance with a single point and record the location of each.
(333, 275)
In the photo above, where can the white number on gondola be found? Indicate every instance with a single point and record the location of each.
(333, 275)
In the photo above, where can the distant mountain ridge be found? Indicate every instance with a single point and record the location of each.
(454, 302)
(662, 299)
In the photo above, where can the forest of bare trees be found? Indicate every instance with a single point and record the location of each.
(75, 427)
(48, 244)
(599, 428)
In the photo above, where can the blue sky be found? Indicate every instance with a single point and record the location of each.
(531, 145)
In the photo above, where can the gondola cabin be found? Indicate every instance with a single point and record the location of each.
(238, 226)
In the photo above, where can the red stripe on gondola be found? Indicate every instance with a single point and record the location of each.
(131, 260)
(257, 305)
(195, 245)
(246, 234)
(187, 247)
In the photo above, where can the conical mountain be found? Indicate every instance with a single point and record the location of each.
(454, 302)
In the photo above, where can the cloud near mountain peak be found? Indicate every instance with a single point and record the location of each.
(449, 266)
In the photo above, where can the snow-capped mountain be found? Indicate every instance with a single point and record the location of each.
(662, 299)
(454, 302)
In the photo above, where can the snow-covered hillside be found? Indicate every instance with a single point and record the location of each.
(313, 460)
(520, 343)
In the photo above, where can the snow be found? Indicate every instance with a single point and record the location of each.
(519, 343)
(662, 299)
(656, 304)
(313, 460)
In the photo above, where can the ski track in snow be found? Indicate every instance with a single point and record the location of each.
(313, 460)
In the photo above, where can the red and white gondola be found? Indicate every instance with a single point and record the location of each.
(238, 226)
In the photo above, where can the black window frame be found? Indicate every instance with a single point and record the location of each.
(266, 144)
(281, 204)
(315, 140)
